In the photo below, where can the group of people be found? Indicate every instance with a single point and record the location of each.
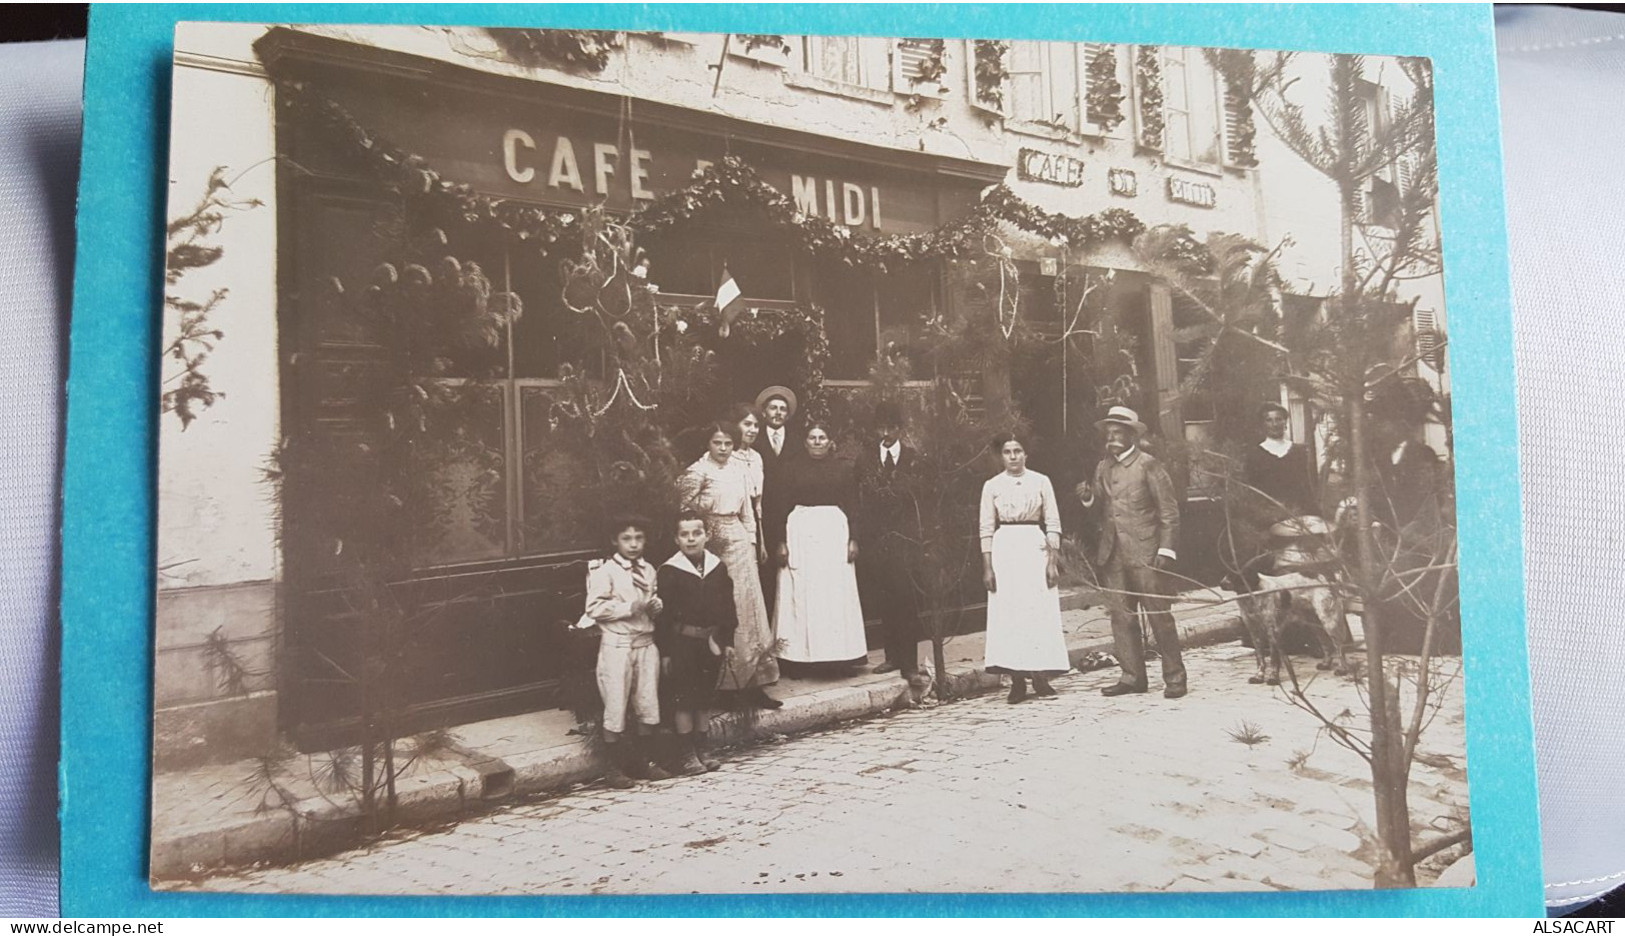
(782, 545)
(766, 579)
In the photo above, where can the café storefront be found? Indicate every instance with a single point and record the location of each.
(503, 567)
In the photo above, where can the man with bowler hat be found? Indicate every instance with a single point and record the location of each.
(1138, 531)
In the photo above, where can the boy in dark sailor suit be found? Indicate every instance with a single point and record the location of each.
(694, 633)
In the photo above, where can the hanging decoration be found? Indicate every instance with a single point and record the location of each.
(1148, 77)
(1104, 101)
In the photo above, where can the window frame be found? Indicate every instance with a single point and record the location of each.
(1076, 125)
(1220, 129)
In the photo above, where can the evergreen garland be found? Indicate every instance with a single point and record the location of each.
(763, 41)
(731, 182)
(1104, 102)
(991, 72)
(577, 49)
(1148, 75)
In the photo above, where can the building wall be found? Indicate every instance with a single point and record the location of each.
(217, 548)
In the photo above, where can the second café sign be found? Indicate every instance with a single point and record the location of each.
(1056, 169)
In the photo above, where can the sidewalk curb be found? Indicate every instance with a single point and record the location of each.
(314, 827)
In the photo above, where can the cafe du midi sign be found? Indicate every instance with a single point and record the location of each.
(557, 165)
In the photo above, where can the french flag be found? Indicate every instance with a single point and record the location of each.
(727, 302)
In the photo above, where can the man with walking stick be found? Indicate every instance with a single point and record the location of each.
(1139, 527)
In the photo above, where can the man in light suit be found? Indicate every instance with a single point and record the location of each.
(1138, 531)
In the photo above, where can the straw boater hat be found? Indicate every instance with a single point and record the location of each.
(1122, 416)
(771, 392)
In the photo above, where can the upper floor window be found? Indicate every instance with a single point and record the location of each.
(1192, 101)
(864, 61)
(1050, 84)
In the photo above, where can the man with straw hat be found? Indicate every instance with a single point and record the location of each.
(1138, 531)
(778, 444)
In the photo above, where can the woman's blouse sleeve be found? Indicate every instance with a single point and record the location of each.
(1052, 516)
(690, 486)
(986, 516)
(747, 505)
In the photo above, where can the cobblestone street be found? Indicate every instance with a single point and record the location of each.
(1079, 793)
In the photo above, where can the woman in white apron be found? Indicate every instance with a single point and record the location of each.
(818, 617)
(1021, 538)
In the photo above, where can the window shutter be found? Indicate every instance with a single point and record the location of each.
(1406, 172)
(912, 60)
(1362, 202)
(1426, 325)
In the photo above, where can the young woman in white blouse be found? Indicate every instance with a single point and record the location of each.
(1021, 539)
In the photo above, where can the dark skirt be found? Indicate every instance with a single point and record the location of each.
(691, 682)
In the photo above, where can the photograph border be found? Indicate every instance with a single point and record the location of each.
(109, 489)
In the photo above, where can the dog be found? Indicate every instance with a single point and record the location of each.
(1266, 611)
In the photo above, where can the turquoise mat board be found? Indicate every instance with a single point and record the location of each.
(108, 485)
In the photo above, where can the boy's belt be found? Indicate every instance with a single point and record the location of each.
(634, 641)
(698, 633)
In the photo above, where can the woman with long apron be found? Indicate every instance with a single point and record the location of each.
(719, 488)
(1021, 537)
(818, 617)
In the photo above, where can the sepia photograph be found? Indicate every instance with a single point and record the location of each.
(604, 462)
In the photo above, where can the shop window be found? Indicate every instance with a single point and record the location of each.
(1191, 98)
(865, 312)
(847, 297)
(763, 268)
(863, 61)
(905, 298)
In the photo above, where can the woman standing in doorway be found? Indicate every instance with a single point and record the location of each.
(1021, 538)
(818, 616)
(718, 488)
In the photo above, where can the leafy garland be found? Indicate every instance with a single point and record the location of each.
(763, 41)
(991, 72)
(583, 49)
(1148, 75)
(1104, 102)
(728, 183)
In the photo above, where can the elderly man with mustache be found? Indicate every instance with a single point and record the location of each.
(1138, 531)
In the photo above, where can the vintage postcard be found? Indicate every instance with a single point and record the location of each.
(603, 462)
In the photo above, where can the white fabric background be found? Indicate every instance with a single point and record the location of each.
(39, 160)
(1563, 118)
(1562, 83)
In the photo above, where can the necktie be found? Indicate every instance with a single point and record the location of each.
(640, 578)
(777, 435)
(891, 461)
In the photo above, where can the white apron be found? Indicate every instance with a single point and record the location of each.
(817, 616)
(1024, 616)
